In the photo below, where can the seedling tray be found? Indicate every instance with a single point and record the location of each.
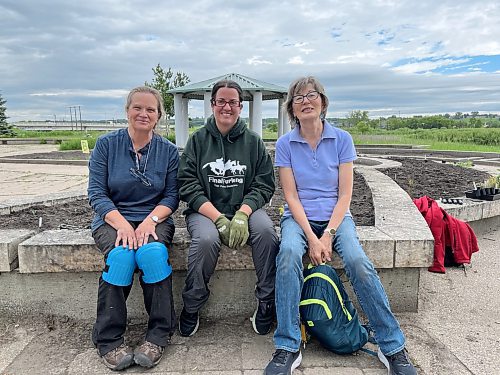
(487, 197)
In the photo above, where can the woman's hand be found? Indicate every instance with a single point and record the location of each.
(126, 235)
(144, 230)
(320, 249)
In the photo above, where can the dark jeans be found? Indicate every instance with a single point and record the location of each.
(111, 321)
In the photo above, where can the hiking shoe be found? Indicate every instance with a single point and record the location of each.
(262, 319)
(188, 323)
(283, 363)
(119, 358)
(148, 354)
(398, 363)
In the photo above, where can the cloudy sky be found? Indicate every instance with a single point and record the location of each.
(386, 57)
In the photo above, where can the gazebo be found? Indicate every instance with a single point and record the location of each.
(254, 91)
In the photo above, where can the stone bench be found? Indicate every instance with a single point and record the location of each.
(58, 270)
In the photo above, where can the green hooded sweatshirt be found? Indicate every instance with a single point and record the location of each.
(228, 171)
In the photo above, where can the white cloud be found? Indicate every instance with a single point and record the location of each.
(54, 54)
(257, 60)
(296, 60)
(85, 93)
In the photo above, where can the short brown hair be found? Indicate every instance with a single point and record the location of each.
(298, 85)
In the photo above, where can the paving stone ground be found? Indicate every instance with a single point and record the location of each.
(456, 331)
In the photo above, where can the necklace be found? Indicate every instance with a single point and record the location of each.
(137, 171)
(145, 163)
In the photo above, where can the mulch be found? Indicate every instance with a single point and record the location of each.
(417, 177)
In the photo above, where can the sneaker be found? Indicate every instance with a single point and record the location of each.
(119, 358)
(188, 323)
(397, 364)
(148, 354)
(283, 363)
(262, 319)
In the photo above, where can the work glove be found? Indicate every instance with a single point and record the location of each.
(238, 233)
(223, 224)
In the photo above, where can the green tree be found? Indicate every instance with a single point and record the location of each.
(5, 127)
(363, 127)
(272, 127)
(165, 80)
(356, 116)
(475, 122)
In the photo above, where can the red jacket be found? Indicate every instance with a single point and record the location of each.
(448, 232)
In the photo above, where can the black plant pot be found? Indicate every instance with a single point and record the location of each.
(476, 193)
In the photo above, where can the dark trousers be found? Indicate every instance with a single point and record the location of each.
(204, 253)
(111, 321)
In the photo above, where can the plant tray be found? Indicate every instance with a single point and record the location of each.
(488, 197)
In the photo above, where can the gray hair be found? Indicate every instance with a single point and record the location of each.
(297, 86)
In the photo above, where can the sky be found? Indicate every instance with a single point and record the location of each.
(382, 56)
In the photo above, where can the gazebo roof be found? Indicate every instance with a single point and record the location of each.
(248, 85)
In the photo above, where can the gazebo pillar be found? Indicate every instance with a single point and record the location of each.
(250, 114)
(181, 120)
(207, 105)
(285, 121)
(280, 117)
(256, 116)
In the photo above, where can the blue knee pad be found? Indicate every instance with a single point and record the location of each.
(152, 259)
(120, 266)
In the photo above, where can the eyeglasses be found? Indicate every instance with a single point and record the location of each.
(141, 176)
(299, 99)
(222, 103)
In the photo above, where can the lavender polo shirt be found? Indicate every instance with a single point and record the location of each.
(316, 172)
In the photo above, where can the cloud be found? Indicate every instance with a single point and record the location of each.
(377, 55)
(85, 93)
(257, 60)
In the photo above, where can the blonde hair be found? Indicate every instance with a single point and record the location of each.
(147, 90)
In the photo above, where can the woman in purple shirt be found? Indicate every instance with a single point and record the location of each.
(315, 163)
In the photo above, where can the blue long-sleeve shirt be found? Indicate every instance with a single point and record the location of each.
(113, 187)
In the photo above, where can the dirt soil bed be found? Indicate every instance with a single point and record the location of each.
(435, 179)
(416, 177)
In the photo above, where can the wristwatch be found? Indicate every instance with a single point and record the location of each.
(331, 231)
(154, 218)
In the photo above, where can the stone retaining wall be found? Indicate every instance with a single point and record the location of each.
(57, 271)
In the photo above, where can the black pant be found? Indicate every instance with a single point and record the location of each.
(111, 321)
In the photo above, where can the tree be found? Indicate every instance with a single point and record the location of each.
(363, 127)
(356, 116)
(5, 127)
(165, 80)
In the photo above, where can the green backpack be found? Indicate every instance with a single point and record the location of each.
(327, 312)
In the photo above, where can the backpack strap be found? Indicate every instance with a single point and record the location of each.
(368, 351)
(339, 296)
(315, 301)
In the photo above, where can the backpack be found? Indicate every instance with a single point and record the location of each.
(327, 312)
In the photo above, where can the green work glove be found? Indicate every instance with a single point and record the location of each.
(238, 234)
(223, 224)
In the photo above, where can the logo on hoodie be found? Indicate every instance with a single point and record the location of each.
(219, 168)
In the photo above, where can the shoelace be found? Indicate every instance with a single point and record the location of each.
(265, 307)
(280, 356)
(400, 358)
(152, 347)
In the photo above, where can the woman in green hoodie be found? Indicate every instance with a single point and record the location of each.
(226, 176)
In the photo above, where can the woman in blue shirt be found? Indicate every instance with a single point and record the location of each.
(133, 192)
(315, 163)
